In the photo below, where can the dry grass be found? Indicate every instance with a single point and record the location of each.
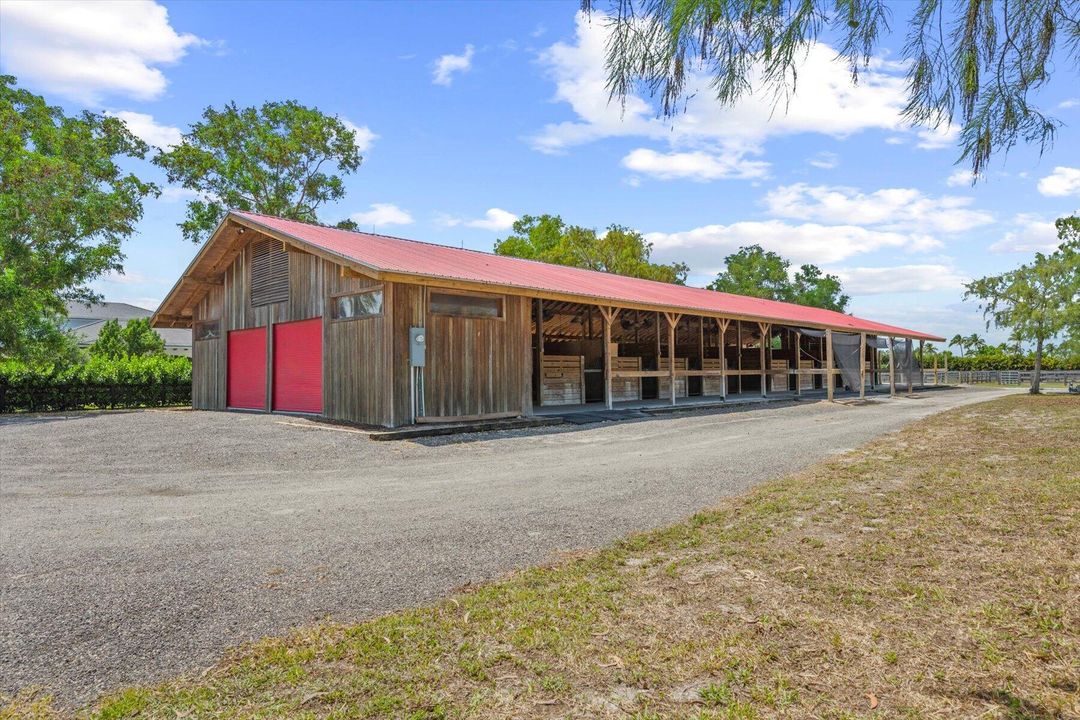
(931, 574)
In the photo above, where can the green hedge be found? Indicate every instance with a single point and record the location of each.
(150, 381)
(1002, 361)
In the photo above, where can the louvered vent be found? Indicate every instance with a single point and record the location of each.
(269, 273)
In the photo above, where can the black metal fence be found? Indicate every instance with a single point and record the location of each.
(82, 396)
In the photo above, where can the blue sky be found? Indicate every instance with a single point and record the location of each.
(473, 113)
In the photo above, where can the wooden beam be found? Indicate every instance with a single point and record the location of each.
(909, 346)
(892, 370)
(609, 315)
(830, 377)
(798, 364)
(673, 320)
(764, 328)
(862, 366)
(723, 326)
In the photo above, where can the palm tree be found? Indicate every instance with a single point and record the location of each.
(974, 342)
(960, 341)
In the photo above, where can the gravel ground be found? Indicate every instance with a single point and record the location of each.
(139, 545)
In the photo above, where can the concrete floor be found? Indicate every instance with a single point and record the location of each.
(138, 545)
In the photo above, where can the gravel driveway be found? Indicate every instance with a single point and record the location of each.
(138, 545)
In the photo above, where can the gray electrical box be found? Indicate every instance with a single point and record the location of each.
(417, 346)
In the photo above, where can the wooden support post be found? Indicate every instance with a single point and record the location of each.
(830, 378)
(609, 316)
(738, 350)
(910, 347)
(922, 373)
(935, 369)
(862, 366)
(538, 394)
(723, 326)
(673, 320)
(798, 364)
(764, 329)
(892, 370)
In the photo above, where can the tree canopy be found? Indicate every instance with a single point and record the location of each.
(755, 272)
(65, 207)
(619, 250)
(1039, 300)
(281, 159)
(975, 63)
(136, 338)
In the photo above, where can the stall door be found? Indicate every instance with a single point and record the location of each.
(247, 369)
(298, 366)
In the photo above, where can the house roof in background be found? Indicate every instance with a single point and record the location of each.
(86, 322)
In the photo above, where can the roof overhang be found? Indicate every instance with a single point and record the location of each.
(230, 237)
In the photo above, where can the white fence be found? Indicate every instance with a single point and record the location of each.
(1001, 377)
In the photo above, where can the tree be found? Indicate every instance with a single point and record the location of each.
(135, 339)
(66, 205)
(279, 159)
(959, 341)
(979, 65)
(1039, 300)
(619, 250)
(814, 288)
(109, 342)
(756, 272)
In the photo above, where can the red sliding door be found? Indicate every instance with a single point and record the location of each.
(247, 369)
(298, 366)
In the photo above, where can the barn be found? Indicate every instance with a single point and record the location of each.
(293, 317)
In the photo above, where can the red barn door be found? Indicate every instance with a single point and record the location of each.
(247, 369)
(298, 366)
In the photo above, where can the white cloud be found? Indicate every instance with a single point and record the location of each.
(176, 193)
(704, 248)
(891, 208)
(826, 102)
(899, 279)
(149, 130)
(824, 160)
(86, 50)
(937, 138)
(382, 214)
(494, 219)
(960, 178)
(447, 65)
(697, 165)
(1063, 182)
(364, 136)
(1031, 234)
(1068, 104)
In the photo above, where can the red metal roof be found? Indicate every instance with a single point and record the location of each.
(397, 255)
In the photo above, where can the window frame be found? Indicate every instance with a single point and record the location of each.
(199, 324)
(362, 291)
(501, 317)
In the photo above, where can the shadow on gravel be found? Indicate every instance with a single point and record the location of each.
(45, 418)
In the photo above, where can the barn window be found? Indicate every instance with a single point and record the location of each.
(358, 305)
(269, 272)
(470, 306)
(208, 330)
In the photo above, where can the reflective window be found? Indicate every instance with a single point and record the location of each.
(360, 305)
(473, 306)
(208, 330)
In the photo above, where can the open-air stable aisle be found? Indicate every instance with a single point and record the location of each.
(139, 545)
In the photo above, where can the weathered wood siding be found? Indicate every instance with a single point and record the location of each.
(475, 367)
(409, 310)
(356, 360)
(478, 367)
(356, 367)
(208, 356)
